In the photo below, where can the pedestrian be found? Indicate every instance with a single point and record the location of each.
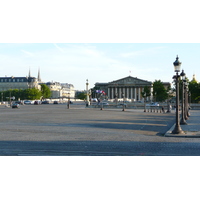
(163, 110)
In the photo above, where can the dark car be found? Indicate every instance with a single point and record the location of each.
(19, 102)
(36, 103)
(15, 105)
(55, 102)
(45, 102)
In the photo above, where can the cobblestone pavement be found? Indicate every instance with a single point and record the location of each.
(56, 130)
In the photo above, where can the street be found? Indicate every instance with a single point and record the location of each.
(54, 130)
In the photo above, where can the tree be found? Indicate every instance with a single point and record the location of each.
(159, 91)
(46, 92)
(33, 93)
(194, 88)
(81, 96)
(146, 92)
(30, 94)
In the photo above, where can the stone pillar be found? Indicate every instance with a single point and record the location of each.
(120, 93)
(139, 94)
(115, 91)
(112, 93)
(109, 93)
(131, 93)
(135, 94)
(127, 91)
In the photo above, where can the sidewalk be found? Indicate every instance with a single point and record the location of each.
(192, 129)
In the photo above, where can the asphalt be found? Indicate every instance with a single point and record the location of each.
(191, 129)
(48, 130)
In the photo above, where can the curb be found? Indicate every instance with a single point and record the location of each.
(188, 134)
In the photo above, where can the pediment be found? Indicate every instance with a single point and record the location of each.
(130, 81)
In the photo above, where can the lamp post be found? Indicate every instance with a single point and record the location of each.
(87, 93)
(183, 122)
(2, 97)
(177, 66)
(189, 102)
(101, 101)
(187, 114)
(68, 102)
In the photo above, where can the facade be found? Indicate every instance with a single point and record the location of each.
(61, 90)
(68, 90)
(20, 83)
(55, 88)
(130, 86)
(11, 83)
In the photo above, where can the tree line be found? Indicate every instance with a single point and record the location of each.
(29, 94)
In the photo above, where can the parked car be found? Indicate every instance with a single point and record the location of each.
(94, 100)
(36, 103)
(27, 102)
(19, 102)
(45, 102)
(15, 105)
(153, 104)
(104, 103)
(121, 104)
(55, 102)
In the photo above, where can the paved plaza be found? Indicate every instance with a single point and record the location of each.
(55, 130)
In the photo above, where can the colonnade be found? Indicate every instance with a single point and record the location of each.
(129, 92)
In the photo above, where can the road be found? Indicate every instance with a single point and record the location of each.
(54, 130)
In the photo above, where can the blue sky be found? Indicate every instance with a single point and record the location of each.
(71, 41)
(98, 62)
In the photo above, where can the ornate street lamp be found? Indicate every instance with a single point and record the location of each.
(68, 102)
(101, 101)
(177, 66)
(183, 122)
(187, 114)
(87, 94)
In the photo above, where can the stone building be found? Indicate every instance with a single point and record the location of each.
(21, 83)
(130, 86)
(61, 90)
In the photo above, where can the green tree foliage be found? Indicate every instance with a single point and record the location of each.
(194, 88)
(33, 94)
(81, 96)
(146, 92)
(46, 92)
(30, 94)
(159, 91)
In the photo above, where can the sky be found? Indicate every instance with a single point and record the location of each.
(98, 62)
(72, 41)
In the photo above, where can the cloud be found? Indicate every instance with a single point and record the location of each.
(141, 52)
(59, 48)
(27, 53)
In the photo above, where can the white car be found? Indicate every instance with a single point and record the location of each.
(153, 104)
(27, 102)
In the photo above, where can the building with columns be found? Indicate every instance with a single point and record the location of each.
(130, 86)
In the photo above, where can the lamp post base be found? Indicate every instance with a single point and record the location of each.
(178, 130)
(183, 122)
